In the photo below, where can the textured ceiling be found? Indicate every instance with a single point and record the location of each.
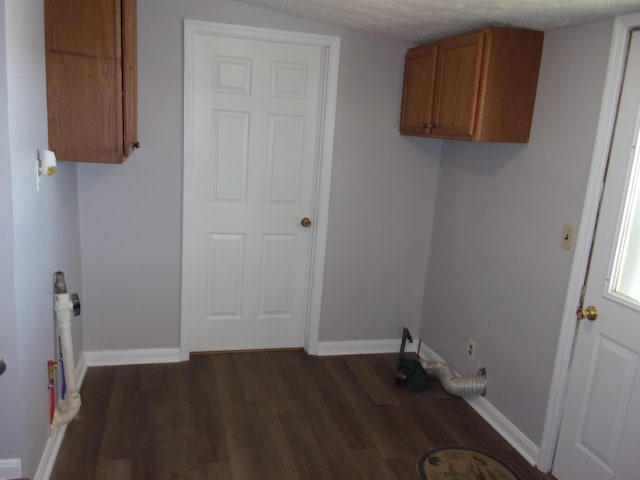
(421, 20)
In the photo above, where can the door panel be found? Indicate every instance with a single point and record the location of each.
(229, 140)
(224, 276)
(609, 384)
(253, 177)
(277, 279)
(600, 430)
(286, 139)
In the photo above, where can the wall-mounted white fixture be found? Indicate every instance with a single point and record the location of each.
(46, 164)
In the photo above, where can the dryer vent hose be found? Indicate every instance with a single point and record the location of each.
(454, 384)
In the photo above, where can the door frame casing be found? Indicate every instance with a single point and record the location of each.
(327, 105)
(623, 25)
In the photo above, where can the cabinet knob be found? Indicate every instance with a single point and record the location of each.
(424, 125)
(135, 144)
(432, 125)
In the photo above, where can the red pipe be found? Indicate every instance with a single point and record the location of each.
(52, 406)
(51, 368)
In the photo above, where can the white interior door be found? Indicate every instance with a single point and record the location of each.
(255, 114)
(600, 432)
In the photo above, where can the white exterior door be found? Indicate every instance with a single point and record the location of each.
(600, 432)
(255, 118)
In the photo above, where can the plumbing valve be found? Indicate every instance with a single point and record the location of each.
(51, 369)
(60, 286)
(75, 299)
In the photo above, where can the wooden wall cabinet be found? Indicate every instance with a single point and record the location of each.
(477, 86)
(91, 59)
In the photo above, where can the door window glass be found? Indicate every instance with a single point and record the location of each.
(627, 264)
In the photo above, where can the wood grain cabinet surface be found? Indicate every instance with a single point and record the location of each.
(477, 86)
(91, 79)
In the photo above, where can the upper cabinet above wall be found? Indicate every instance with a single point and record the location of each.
(91, 79)
(477, 86)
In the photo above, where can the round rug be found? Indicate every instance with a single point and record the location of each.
(461, 463)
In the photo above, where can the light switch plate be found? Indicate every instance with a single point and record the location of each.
(567, 237)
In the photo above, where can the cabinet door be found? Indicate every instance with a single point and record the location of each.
(84, 108)
(83, 27)
(91, 79)
(417, 95)
(457, 85)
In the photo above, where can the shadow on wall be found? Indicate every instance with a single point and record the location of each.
(480, 158)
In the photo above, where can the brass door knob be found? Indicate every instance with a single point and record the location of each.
(305, 222)
(590, 313)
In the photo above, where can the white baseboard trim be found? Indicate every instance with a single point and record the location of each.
(10, 468)
(360, 347)
(48, 458)
(100, 358)
(501, 424)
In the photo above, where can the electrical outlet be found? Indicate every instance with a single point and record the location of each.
(471, 349)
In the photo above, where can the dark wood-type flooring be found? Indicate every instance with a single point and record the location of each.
(265, 415)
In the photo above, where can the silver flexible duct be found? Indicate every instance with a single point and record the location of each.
(454, 384)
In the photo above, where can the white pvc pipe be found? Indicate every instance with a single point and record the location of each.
(69, 406)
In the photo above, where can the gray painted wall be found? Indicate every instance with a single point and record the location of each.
(496, 271)
(382, 197)
(9, 418)
(43, 235)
